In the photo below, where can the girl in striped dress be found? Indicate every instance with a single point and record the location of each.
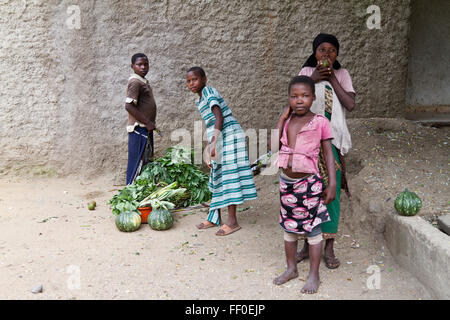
(231, 179)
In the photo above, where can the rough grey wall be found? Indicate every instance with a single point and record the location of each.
(429, 47)
(63, 89)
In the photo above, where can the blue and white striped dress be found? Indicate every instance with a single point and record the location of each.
(231, 179)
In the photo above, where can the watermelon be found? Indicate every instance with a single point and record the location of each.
(407, 203)
(160, 219)
(128, 221)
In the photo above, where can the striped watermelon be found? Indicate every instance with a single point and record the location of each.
(128, 221)
(407, 203)
(160, 219)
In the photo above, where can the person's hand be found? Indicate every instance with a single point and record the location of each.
(212, 150)
(286, 113)
(328, 68)
(209, 154)
(150, 126)
(207, 159)
(322, 72)
(329, 194)
(280, 125)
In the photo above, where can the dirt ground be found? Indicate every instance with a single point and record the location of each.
(50, 238)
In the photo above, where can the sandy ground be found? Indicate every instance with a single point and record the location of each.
(50, 238)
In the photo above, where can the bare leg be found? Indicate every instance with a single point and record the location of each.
(290, 248)
(231, 225)
(330, 259)
(313, 280)
(304, 253)
(232, 218)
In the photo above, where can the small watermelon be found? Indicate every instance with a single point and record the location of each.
(160, 219)
(407, 203)
(128, 221)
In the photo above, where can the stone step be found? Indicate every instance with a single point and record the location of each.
(430, 115)
(444, 223)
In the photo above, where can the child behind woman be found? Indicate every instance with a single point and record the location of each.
(303, 200)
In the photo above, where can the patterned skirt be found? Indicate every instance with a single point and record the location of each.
(302, 207)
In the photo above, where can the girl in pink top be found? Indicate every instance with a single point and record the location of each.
(302, 195)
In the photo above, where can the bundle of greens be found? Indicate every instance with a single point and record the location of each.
(163, 175)
(129, 198)
(177, 166)
(161, 197)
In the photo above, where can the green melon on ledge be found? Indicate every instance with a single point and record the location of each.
(407, 203)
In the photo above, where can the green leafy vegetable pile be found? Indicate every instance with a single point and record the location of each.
(175, 166)
(158, 199)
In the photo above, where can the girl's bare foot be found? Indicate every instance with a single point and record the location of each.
(285, 277)
(312, 284)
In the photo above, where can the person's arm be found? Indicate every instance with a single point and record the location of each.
(139, 116)
(329, 193)
(322, 73)
(130, 105)
(347, 99)
(218, 124)
(217, 131)
(284, 116)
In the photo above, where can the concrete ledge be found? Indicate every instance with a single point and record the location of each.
(439, 115)
(444, 223)
(422, 250)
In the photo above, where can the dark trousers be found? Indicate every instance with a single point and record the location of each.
(140, 152)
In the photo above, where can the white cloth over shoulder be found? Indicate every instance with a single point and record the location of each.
(341, 135)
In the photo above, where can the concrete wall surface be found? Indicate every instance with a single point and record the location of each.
(429, 45)
(421, 249)
(65, 64)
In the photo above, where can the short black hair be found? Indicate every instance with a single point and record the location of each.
(303, 79)
(197, 70)
(137, 55)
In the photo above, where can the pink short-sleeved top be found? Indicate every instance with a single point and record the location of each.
(305, 154)
(342, 76)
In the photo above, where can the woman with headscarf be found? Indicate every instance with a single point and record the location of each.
(334, 96)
